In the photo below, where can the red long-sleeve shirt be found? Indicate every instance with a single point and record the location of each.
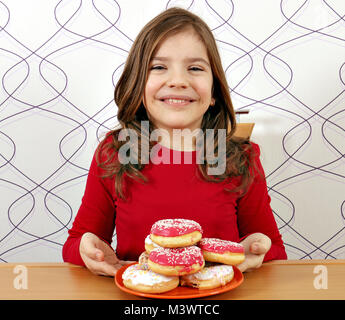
(172, 191)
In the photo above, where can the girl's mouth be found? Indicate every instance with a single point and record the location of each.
(177, 100)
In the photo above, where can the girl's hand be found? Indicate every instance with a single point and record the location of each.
(256, 246)
(98, 256)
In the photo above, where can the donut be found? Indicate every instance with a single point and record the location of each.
(142, 261)
(148, 281)
(150, 245)
(209, 277)
(222, 251)
(175, 233)
(176, 261)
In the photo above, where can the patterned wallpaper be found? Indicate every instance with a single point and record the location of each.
(59, 63)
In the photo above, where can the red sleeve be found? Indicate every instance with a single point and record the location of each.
(96, 214)
(255, 213)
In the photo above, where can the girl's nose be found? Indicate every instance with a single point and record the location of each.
(177, 80)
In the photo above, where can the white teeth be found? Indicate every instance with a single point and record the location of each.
(176, 101)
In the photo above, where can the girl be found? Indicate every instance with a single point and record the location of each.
(173, 79)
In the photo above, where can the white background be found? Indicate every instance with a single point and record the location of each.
(59, 63)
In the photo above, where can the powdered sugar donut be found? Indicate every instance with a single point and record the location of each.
(210, 277)
(148, 281)
(174, 233)
(222, 251)
(176, 261)
(150, 245)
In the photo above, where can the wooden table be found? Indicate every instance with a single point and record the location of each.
(277, 280)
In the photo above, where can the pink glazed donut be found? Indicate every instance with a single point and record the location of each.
(176, 261)
(222, 251)
(175, 233)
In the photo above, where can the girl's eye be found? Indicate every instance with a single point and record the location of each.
(195, 69)
(158, 67)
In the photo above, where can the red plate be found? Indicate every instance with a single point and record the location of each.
(181, 292)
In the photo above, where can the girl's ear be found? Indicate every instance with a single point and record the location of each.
(213, 102)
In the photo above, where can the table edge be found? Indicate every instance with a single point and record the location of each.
(305, 262)
(40, 264)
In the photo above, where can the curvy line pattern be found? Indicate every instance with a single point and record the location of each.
(38, 208)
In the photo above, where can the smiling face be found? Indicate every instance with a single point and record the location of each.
(178, 90)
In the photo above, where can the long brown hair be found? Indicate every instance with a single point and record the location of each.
(129, 94)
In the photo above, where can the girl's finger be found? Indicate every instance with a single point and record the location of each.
(243, 266)
(108, 269)
(258, 248)
(89, 247)
(99, 255)
(101, 268)
(123, 262)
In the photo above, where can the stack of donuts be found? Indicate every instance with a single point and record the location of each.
(176, 254)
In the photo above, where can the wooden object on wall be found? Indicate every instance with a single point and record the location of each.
(244, 130)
